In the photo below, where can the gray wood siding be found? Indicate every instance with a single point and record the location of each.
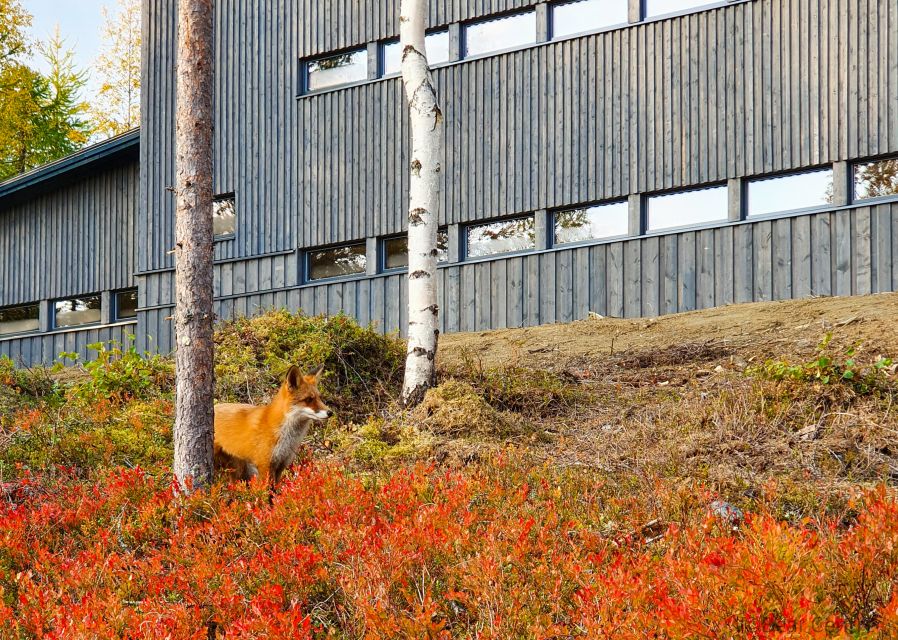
(45, 348)
(742, 90)
(77, 239)
(843, 252)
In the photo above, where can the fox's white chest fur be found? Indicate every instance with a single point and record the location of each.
(290, 435)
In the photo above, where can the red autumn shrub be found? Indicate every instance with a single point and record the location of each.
(497, 552)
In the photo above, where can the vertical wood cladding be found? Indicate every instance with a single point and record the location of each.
(741, 90)
(76, 239)
(844, 252)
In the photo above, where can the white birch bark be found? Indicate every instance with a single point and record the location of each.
(194, 383)
(424, 202)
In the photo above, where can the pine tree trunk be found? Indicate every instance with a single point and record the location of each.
(424, 203)
(193, 248)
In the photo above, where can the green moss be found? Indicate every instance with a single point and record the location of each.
(362, 368)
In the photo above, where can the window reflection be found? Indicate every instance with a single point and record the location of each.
(396, 250)
(501, 33)
(436, 44)
(687, 208)
(580, 16)
(602, 221)
(333, 71)
(126, 304)
(224, 216)
(876, 179)
(73, 312)
(501, 237)
(339, 261)
(786, 193)
(21, 319)
(663, 7)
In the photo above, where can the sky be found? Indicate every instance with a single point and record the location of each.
(79, 23)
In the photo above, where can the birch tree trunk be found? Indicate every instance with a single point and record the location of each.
(424, 203)
(194, 377)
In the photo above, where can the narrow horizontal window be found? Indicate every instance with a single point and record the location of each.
(21, 319)
(501, 237)
(654, 8)
(396, 250)
(787, 193)
(876, 179)
(337, 70)
(592, 223)
(126, 304)
(580, 16)
(74, 312)
(687, 208)
(436, 44)
(339, 261)
(508, 32)
(224, 215)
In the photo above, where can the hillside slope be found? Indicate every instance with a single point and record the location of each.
(727, 473)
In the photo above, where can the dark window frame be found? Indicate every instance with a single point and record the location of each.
(54, 326)
(553, 216)
(746, 192)
(382, 58)
(556, 38)
(853, 166)
(464, 228)
(307, 262)
(25, 305)
(305, 64)
(220, 197)
(382, 253)
(646, 210)
(495, 17)
(116, 308)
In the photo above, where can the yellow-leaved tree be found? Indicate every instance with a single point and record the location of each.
(116, 108)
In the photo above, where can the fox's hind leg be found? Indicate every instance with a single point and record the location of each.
(234, 468)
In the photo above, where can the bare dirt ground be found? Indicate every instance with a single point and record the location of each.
(679, 396)
(788, 328)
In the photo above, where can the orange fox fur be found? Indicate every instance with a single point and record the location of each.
(264, 440)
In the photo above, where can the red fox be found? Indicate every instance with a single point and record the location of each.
(263, 440)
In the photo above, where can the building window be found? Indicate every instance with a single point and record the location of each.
(498, 34)
(876, 179)
(790, 192)
(592, 223)
(126, 304)
(21, 319)
(224, 215)
(436, 44)
(74, 312)
(687, 208)
(655, 8)
(580, 16)
(338, 261)
(506, 236)
(337, 70)
(395, 250)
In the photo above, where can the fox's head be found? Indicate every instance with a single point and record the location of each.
(302, 391)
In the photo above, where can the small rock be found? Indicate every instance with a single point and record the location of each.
(719, 369)
(727, 512)
(808, 433)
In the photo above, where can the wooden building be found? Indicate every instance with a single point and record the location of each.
(623, 157)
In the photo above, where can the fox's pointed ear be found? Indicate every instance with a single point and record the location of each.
(315, 372)
(294, 376)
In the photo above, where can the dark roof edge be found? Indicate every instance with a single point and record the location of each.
(102, 151)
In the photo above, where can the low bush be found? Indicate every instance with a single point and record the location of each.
(833, 367)
(362, 368)
(531, 393)
(504, 551)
